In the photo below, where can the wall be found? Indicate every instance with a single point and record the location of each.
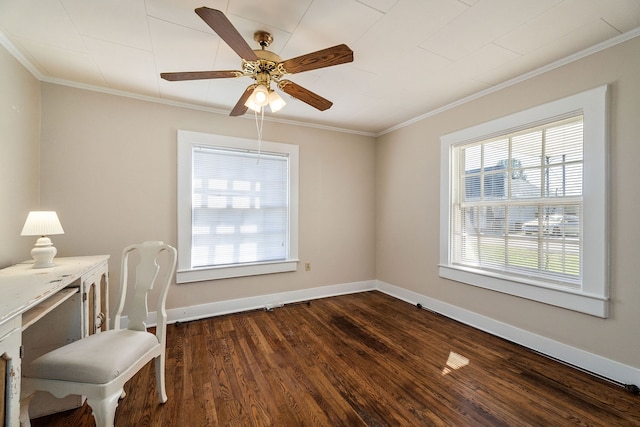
(408, 188)
(109, 167)
(19, 156)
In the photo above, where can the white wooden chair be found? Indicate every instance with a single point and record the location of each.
(99, 365)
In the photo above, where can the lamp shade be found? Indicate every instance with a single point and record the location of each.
(42, 223)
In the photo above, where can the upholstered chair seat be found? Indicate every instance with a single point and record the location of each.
(97, 359)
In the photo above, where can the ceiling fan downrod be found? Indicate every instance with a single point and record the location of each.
(263, 38)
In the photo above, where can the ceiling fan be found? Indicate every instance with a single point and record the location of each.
(264, 67)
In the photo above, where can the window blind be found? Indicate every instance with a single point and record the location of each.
(240, 211)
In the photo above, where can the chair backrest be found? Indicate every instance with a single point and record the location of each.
(146, 276)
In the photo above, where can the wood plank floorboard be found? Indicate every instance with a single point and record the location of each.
(364, 359)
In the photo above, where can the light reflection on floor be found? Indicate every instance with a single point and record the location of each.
(455, 361)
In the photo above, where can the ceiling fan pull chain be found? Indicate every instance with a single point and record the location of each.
(259, 128)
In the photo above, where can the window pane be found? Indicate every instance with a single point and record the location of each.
(472, 158)
(492, 253)
(526, 152)
(564, 180)
(564, 143)
(495, 153)
(526, 149)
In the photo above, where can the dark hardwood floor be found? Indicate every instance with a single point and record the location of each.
(358, 360)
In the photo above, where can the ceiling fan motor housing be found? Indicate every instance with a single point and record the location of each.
(265, 69)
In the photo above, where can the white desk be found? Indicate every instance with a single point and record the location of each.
(41, 309)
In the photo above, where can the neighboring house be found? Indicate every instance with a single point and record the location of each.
(495, 188)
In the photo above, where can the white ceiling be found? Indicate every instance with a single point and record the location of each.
(411, 56)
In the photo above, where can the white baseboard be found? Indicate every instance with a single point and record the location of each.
(202, 311)
(578, 358)
(573, 356)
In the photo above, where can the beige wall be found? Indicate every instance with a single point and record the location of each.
(19, 156)
(109, 168)
(408, 188)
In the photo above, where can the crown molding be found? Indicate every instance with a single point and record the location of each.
(523, 77)
(4, 41)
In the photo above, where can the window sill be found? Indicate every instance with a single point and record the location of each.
(227, 272)
(595, 305)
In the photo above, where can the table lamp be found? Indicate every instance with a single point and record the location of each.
(43, 224)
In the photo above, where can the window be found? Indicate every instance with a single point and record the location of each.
(237, 207)
(523, 204)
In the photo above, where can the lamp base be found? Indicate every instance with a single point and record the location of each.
(43, 253)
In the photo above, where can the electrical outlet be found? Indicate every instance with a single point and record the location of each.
(307, 266)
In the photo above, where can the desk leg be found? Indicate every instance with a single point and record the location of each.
(24, 410)
(11, 372)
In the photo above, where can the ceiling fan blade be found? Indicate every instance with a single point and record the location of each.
(198, 75)
(240, 108)
(227, 32)
(304, 95)
(335, 55)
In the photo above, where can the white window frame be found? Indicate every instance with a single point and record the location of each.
(592, 296)
(186, 142)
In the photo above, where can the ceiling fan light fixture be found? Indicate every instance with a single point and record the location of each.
(276, 103)
(260, 95)
(258, 98)
(250, 104)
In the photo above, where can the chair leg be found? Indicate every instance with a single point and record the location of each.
(159, 365)
(104, 410)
